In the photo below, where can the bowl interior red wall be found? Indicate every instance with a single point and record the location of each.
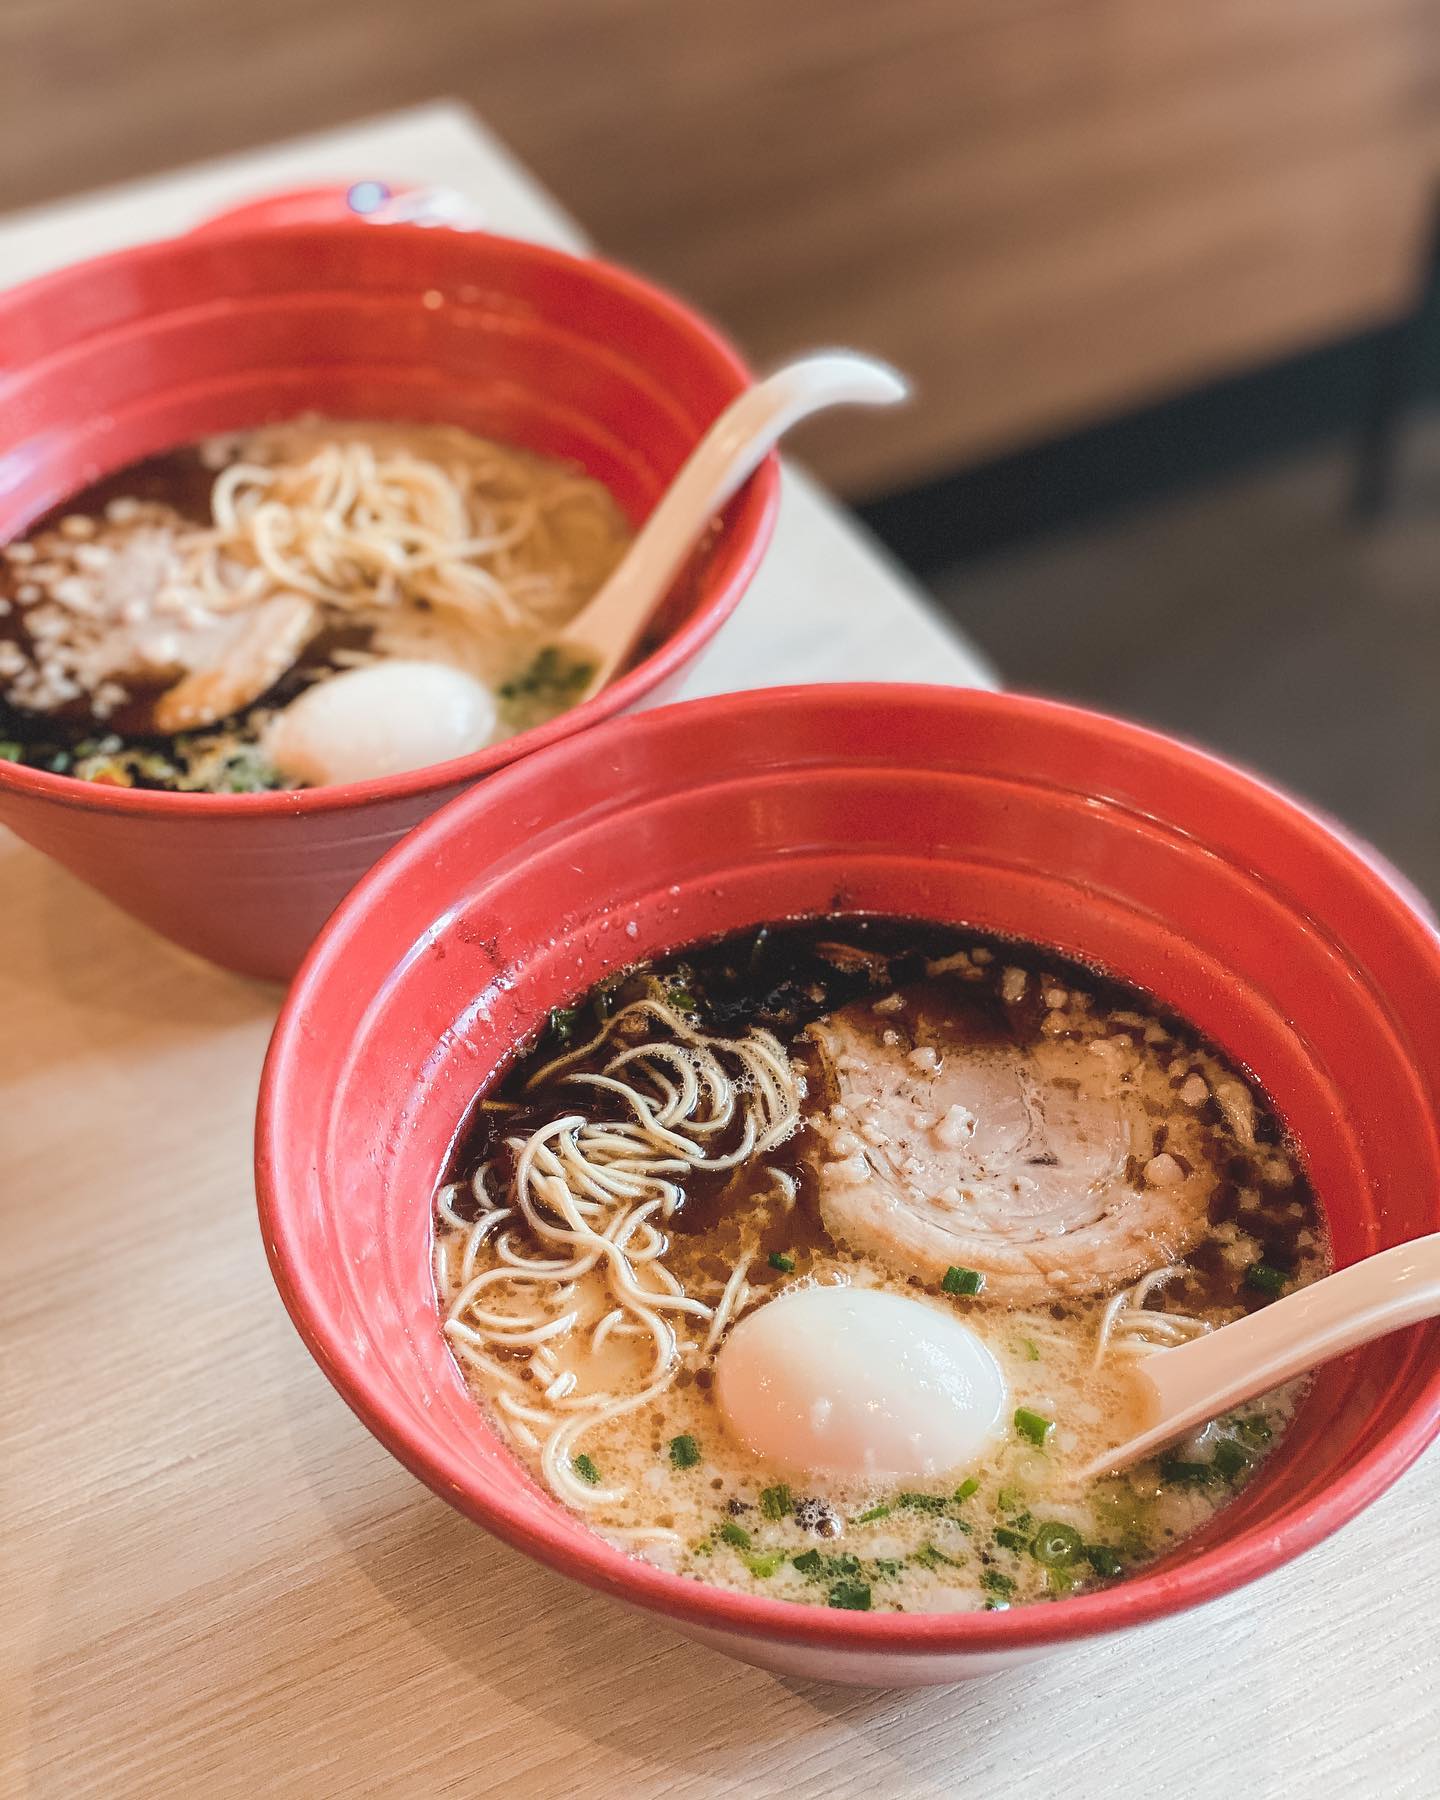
(137, 354)
(1006, 814)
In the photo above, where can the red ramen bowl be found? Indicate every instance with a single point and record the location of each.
(1224, 899)
(247, 321)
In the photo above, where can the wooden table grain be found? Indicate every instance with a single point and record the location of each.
(213, 1582)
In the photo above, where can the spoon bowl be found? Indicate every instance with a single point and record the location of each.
(1181, 1388)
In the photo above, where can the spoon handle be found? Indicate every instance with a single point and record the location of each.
(729, 453)
(1199, 1380)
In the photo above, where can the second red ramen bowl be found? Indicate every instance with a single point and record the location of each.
(1172, 870)
(253, 320)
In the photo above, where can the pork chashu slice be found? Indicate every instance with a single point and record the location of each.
(1035, 1165)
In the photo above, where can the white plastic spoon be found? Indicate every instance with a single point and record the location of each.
(1187, 1386)
(729, 453)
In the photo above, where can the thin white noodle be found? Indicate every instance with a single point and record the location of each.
(1129, 1329)
(594, 1194)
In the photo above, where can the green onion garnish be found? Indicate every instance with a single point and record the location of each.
(811, 1562)
(875, 1512)
(731, 1533)
(785, 1264)
(1231, 1459)
(1031, 1425)
(1186, 1474)
(585, 1469)
(969, 1486)
(1057, 1579)
(1010, 1499)
(962, 1281)
(929, 1557)
(684, 1452)
(764, 1563)
(776, 1502)
(703, 1548)
(1011, 1540)
(1032, 1349)
(996, 1582)
(926, 1503)
(854, 1596)
(681, 999)
(1056, 1545)
(562, 1022)
(1266, 1278)
(887, 1567)
(1103, 1560)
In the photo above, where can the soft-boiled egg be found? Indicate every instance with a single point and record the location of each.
(380, 720)
(860, 1385)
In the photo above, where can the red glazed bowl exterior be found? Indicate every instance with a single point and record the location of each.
(1015, 815)
(244, 322)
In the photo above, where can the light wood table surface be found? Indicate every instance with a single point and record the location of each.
(213, 1582)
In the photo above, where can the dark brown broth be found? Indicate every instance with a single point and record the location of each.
(784, 977)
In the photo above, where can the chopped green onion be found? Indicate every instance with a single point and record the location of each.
(1186, 1474)
(887, 1567)
(962, 1281)
(681, 999)
(703, 1548)
(1231, 1459)
(1010, 1499)
(1056, 1545)
(926, 1503)
(562, 1022)
(811, 1562)
(853, 1596)
(1032, 1349)
(549, 672)
(585, 1469)
(785, 1264)
(1103, 1560)
(776, 1502)
(969, 1486)
(1253, 1427)
(731, 1533)
(764, 1563)
(996, 1582)
(1011, 1540)
(928, 1557)
(1058, 1580)
(1265, 1278)
(684, 1452)
(875, 1512)
(1031, 1425)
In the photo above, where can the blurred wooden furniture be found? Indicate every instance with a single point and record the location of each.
(1045, 210)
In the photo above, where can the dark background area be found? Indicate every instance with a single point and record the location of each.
(1222, 567)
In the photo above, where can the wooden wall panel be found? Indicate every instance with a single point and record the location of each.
(1045, 210)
